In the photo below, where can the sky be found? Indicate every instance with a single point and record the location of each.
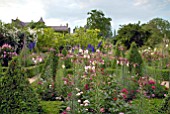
(74, 12)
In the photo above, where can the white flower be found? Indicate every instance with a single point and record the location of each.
(81, 104)
(58, 98)
(33, 59)
(81, 92)
(88, 56)
(78, 94)
(155, 49)
(97, 50)
(77, 89)
(80, 50)
(93, 63)
(63, 66)
(79, 101)
(93, 68)
(86, 101)
(85, 56)
(166, 45)
(86, 104)
(86, 51)
(40, 59)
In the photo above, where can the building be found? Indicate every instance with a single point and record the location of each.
(62, 29)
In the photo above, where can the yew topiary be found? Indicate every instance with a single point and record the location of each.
(16, 95)
(135, 59)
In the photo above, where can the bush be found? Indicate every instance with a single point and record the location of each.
(160, 74)
(135, 59)
(33, 70)
(16, 95)
(51, 107)
(146, 106)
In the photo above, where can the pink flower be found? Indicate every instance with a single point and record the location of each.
(151, 82)
(153, 87)
(124, 90)
(40, 82)
(102, 110)
(68, 108)
(64, 112)
(86, 87)
(153, 95)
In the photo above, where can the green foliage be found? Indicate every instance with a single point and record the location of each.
(33, 70)
(147, 106)
(97, 20)
(132, 33)
(135, 59)
(159, 74)
(165, 106)
(158, 28)
(16, 94)
(51, 107)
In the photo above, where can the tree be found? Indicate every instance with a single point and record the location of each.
(158, 28)
(97, 20)
(132, 33)
(16, 95)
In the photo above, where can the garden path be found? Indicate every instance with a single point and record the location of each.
(166, 83)
(31, 80)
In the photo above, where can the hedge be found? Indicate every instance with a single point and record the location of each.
(163, 74)
(33, 70)
(51, 107)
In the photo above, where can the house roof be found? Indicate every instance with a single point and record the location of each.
(60, 28)
(56, 28)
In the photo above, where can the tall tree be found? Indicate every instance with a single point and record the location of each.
(97, 20)
(132, 33)
(158, 28)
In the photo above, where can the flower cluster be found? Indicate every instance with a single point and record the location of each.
(37, 59)
(6, 53)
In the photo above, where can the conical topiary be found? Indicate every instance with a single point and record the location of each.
(16, 95)
(135, 59)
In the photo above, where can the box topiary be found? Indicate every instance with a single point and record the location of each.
(135, 59)
(16, 95)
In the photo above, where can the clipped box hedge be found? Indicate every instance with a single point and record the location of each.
(33, 70)
(51, 107)
(158, 73)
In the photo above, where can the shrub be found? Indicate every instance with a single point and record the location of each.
(51, 107)
(160, 74)
(135, 59)
(16, 95)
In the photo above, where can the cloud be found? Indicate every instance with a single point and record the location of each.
(140, 2)
(74, 12)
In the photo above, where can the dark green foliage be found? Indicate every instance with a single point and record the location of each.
(64, 52)
(135, 59)
(165, 106)
(16, 95)
(132, 33)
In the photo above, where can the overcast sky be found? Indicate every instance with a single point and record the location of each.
(74, 12)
